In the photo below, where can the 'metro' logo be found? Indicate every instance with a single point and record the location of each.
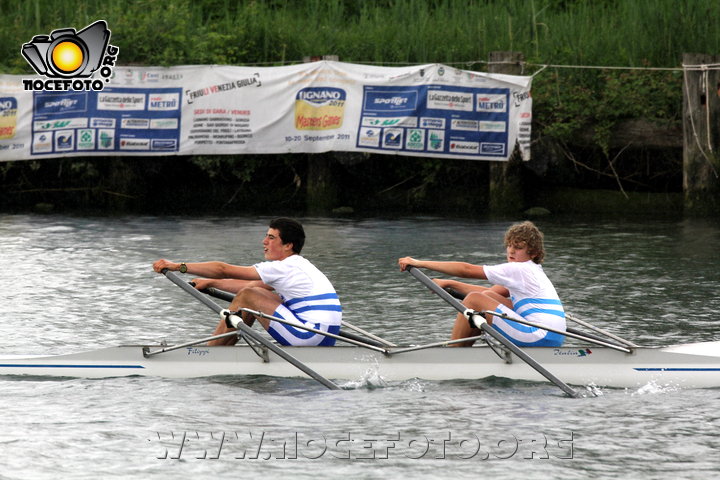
(69, 58)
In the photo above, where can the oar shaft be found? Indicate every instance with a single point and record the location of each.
(568, 333)
(425, 280)
(173, 277)
(256, 314)
(227, 296)
(528, 359)
(491, 331)
(368, 334)
(572, 317)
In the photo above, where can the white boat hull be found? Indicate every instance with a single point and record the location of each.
(686, 366)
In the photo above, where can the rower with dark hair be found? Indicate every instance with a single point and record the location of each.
(286, 285)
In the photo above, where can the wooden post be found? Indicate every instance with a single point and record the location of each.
(506, 188)
(701, 133)
(321, 194)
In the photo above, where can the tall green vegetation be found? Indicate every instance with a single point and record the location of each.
(569, 102)
(576, 32)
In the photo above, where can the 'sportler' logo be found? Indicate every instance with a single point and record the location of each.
(70, 58)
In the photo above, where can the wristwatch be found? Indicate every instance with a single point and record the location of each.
(183, 268)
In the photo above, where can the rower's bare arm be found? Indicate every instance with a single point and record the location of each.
(210, 269)
(461, 287)
(227, 284)
(456, 269)
(222, 270)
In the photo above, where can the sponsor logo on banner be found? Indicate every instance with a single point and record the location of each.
(492, 148)
(86, 139)
(69, 59)
(149, 77)
(464, 147)
(163, 144)
(121, 101)
(468, 125)
(415, 139)
(53, 103)
(42, 142)
(60, 123)
(134, 144)
(393, 138)
(436, 140)
(64, 140)
(492, 102)
(449, 100)
(390, 101)
(164, 123)
(8, 117)
(493, 126)
(164, 101)
(106, 139)
(427, 122)
(369, 137)
(410, 122)
(102, 122)
(319, 108)
(135, 123)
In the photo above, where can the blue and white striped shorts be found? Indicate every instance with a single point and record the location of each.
(525, 335)
(286, 334)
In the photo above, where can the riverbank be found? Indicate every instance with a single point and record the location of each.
(359, 185)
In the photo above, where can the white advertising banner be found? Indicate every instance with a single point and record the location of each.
(429, 111)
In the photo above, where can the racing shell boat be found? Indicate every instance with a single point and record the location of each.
(603, 361)
(689, 366)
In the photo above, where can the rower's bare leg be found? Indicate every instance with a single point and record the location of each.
(254, 298)
(484, 300)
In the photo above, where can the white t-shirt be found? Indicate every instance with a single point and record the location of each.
(531, 292)
(303, 288)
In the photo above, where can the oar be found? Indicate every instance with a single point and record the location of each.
(236, 318)
(376, 341)
(173, 277)
(425, 280)
(569, 331)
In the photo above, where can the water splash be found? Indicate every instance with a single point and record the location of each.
(370, 379)
(653, 388)
(594, 390)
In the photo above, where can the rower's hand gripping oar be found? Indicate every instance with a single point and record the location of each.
(173, 277)
(474, 316)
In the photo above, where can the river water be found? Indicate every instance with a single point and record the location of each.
(76, 283)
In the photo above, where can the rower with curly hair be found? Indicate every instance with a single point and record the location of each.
(520, 290)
